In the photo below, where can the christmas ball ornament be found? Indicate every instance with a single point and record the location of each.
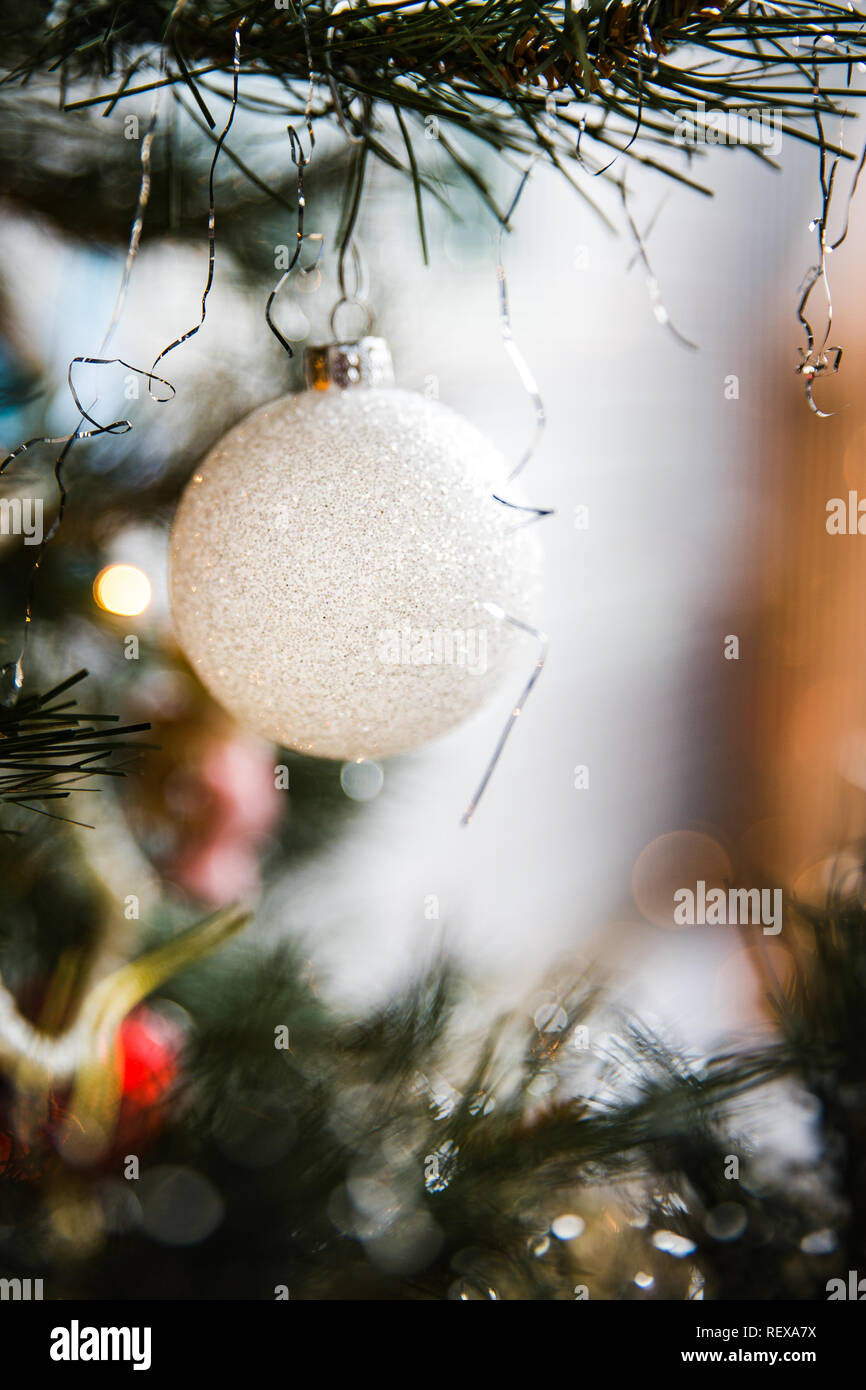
(148, 1050)
(340, 570)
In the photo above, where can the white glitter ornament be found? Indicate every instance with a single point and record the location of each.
(330, 564)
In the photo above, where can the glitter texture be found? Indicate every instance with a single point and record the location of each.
(329, 565)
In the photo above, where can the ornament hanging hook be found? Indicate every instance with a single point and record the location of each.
(357, 299)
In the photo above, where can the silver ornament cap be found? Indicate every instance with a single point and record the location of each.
(341, 365)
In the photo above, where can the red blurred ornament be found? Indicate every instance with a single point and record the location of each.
(205, 802)
(37, 1127)
(232, 787)
(149, 1045)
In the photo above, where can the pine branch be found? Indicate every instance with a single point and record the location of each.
(498, 71)
(393, 1159)
(48, 750)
